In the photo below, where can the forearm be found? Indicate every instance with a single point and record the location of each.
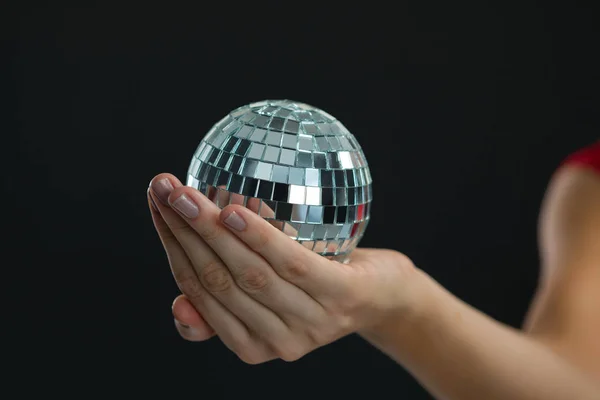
(458, 353)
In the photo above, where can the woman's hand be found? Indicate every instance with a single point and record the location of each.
(263, 294)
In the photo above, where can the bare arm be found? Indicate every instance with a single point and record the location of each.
(566, 311)
(458, 353)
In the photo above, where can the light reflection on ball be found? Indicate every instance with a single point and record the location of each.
(296, 166)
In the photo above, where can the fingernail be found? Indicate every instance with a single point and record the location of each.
(185, 206)
(163, 189)
(234, 221)
(152, 203)
(184, 326)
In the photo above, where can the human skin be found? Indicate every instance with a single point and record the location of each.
(268, 297)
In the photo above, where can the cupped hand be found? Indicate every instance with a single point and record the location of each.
(265, 295)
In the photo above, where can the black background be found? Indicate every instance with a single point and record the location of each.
(463, 112)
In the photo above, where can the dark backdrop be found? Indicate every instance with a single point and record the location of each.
(463, 112)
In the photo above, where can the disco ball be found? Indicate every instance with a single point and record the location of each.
(293, 164)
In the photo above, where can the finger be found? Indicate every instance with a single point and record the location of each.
(189, 322)
(215, 279)
(294, 263)
(248, 269)
(230, 329)
(223, 198)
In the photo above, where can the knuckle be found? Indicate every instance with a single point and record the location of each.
(215, 277)
(250, 356)
(190, 286)
(294, 268)
(249, 359)
(254, 279)
(210, 233)
(181, 229)
(316, 336)
(260, 242)
(290, 353)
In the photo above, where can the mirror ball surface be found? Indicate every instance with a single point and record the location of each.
(296, 166)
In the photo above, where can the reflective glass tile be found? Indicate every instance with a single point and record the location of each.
(312, 177)
(284, 211)
(306, 232)
(273, 138)
(214, 154)
(280, 173)
(249, 167)
(344, 143)
(223, 178)
(310, 129)
(247, 117)
(287, 157)
(256, 151)
(326, 178)
(341, 198)
(261, 121)
(265, 190)
(333, 231)
(332, 160)
(271, 154)
(334, 143)
(276, 123)
(292, 126)
(194, 167)
(326, 196)
(235, 164)
(315, 215)
(232, 127)
(258, 135)
(320, 160)
(191, 181)
(322, 144)
(320, 231)
(320, 245)
(283, 113)
(313, 195)
(268, 209)
(249, 187)
(345, 160)
(263, 171)
(280, 192)
(235, 183)
(299, 213)
(340, 178)
(297, 194)
(296, 176)
(341, 215)
(350, 178)
(258, 104)
(223, 160)
(230, 143)
(325, 129)
(289, 141)
(212, 176)
(244, 132)
(304, 160)
(205, 152)
(329, 215)
(242, 147)
(305, 143)
(345, 231)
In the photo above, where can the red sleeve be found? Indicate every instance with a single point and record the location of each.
(588, 157)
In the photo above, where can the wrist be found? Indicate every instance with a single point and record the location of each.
(411, 316)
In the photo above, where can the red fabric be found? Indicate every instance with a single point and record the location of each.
(587, 157)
